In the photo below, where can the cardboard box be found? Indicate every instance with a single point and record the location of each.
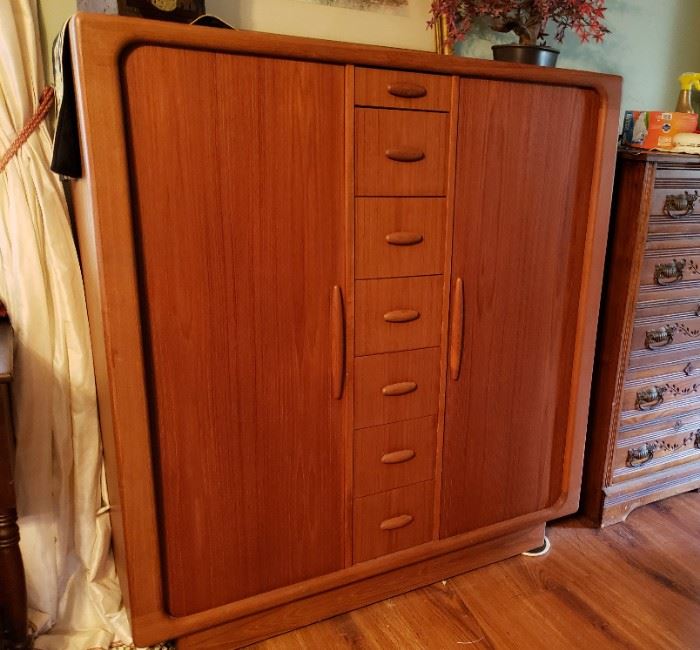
(655, 129)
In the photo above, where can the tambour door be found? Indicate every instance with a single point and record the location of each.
(237, 170)
(524, 171)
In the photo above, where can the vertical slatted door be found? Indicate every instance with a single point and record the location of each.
(524, 169)
(237, 174)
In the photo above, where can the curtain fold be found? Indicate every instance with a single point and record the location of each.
(64, 524)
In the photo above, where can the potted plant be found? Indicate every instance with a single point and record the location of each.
(527, 19)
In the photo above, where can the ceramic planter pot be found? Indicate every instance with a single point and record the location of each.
(533, 54)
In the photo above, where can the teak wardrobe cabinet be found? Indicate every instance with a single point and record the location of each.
(343, 303)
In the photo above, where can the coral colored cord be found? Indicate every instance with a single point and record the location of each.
(45, 101)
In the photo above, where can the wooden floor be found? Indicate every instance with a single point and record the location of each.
(632, 585)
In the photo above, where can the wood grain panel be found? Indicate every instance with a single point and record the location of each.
(379, 131)
(373, 449)
(520, 231)
(395, 89)
(374, 372)
(375, 302)
(378, 218)
(391, 521)
(240, 242)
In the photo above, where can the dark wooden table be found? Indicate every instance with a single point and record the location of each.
(13, 594)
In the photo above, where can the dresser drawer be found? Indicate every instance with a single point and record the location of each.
(399, 237)
(681, 420)
(654, 334)
(397, 314)
(674, 390)
(396, 386)
(393, 455)
(400, 153)
(666, 270)
(391, 521)
(395, 89)
(637, 457)
(675, 211)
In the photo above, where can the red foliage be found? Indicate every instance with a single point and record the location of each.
(526, 18)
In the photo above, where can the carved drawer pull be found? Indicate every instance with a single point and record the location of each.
(689, 369)
(409, 91)
(659, 338)
(649, 398)
(396, 522)
(680, 205)
(402, 388)
(639, 456)
(404, 238)
(669, 273)
(697, 311)
(401, 316)
(404, 154)
(401, 456)
(337, 343)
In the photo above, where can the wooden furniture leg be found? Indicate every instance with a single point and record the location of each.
(13, 595)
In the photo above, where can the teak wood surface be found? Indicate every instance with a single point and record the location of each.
(235, 317)
(520, 254)
(118, 277)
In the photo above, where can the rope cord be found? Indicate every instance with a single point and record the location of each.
(45, 101)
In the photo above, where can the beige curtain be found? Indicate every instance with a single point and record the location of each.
(64, 525)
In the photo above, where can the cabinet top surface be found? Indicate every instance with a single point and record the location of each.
(100, 35)
(664, 157)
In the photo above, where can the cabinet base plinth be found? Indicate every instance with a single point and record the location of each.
(622, 498)
(284, 618)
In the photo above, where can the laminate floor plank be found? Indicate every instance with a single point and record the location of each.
(634, 585)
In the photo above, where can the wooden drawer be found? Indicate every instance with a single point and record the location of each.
(399, 237)
(667, 270)
(675, 210)
(396, 386)
(391, 521)
(397, 314)
(654, 334)
(645, 455)
(683, 303)
(400, 153)
(656, 392)
(394, 89)
(677, 204)
(392, 455)
(671, 424)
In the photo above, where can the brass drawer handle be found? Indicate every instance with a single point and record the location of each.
(689, 369)
(401, 388)
(407, 90)
(404, 154)
(639, 456)
(669, 273)
(404, 238)
(401, 316)
(396, 522)
(398, 456)
(650, 398)
(660, 338)
(677, 206)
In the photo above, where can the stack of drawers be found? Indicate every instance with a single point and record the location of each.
(652, 429)
(401, 156)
